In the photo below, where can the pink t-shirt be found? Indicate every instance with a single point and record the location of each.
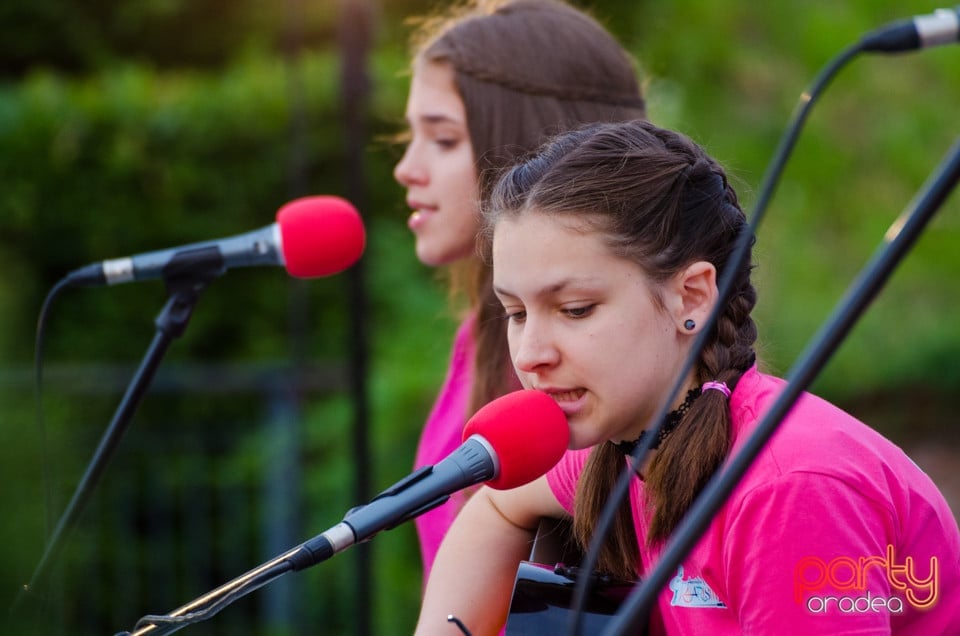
(441, 436)
(833, 530)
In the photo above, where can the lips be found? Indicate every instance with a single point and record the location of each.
(415, 220)
(570, 401)
(420, 214)
(567, 396)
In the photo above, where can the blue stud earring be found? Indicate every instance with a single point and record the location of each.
(689, 324)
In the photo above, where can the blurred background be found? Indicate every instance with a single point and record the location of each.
(127, 127)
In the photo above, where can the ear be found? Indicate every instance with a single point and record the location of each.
(693, 295)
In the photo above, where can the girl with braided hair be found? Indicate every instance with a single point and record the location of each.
(492, 80)
(606, 250)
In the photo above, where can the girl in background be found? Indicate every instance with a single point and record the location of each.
(491, 81)
(833, 530)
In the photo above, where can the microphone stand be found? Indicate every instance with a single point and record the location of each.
(314, 551)
(184, 289)
(899, 239)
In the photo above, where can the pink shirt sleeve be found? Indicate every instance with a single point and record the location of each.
(563, 477)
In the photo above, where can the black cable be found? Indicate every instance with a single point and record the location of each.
(39, 421)
(744, 241)
(39, 344)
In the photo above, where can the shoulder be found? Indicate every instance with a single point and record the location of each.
(563, 477)
(821, 451)
(815, 436)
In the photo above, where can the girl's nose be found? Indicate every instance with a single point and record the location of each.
(534, 348)
(408, 170)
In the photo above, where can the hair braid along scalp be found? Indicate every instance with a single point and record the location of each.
(657, 199)
(528, 69)
(530, 86)
(536, 47)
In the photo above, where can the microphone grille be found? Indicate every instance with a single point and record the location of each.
(527, 430)
(320, 235)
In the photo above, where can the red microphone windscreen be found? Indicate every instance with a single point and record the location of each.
(321, 235)
(528, 432)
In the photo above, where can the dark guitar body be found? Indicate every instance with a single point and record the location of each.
(543, 594)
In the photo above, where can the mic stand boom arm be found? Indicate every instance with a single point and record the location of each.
(215, 600)
(899, 239)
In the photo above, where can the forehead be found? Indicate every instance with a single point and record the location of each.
(534, 252)
(538, 226)
(433, 93)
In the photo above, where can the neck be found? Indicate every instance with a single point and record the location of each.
(670, 422)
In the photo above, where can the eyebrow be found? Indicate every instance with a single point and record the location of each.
(552, 289)
(431, 118)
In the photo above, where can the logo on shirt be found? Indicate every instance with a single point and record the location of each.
(692, 592)
(916, 583)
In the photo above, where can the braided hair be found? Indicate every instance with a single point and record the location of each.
(659, 200)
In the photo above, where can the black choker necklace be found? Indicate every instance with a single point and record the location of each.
(670, 422)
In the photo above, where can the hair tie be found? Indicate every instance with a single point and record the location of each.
(717, 386)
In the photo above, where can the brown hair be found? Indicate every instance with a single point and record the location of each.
(525, 69)
(661, 201)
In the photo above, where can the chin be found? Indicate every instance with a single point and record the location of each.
(430, 258)
(578, 442)
(434, 258)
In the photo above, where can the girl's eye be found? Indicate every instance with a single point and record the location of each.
(579, 312)
(447, 144)
(515, 316)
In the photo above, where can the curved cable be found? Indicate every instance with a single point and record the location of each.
(40, 424)
(39, 343)
(744, 240)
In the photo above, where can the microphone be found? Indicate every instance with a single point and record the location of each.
(507, 443)
(313, 236)
(922, 31)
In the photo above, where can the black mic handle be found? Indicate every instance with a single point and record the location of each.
(207, 258)
(473, 462)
